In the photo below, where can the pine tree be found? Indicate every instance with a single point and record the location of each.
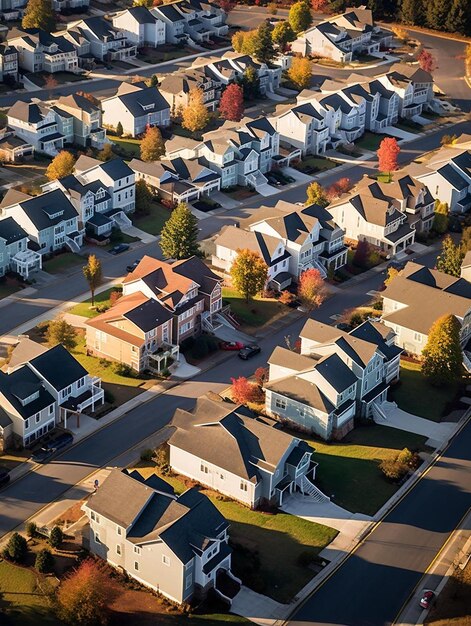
(39, 14)
(299, 16)
(250, 83)
(442, 364)
(16, 548)
(179, 237)
(458, 19)
(93, 274)
(264, 50)
(248, 273)
(412, 12)
(61, 165)
(195, 115)
(152, 145)
(119, 129)
(450, 258)
(436, 13)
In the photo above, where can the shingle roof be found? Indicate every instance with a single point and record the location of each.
(58, 367)
(11, 232)
(235, 238)
(301, 390)
(136, 100)
(47, 209)
(20, 384)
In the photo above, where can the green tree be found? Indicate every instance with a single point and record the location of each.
(152, 145)
(106, 153)
(39, 14)
(282, 34)
(440, 219)
(264, 50)
(195, 116)
(465, 243)
(61, 165)
(119, 129)
(16, 548)
(458, 19)
(450, 258)
(56, 537)
(179, 237)
(442, 356)
(59, 331)
(316, 195)
(31, 529)
(299, 16)
(143, 197)
(248, 273)
(154, 81)
(250, 83)
(436, 13)
(412, 12)
(93, 274)
(44, 562)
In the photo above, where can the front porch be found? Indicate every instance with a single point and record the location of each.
(399, 240)
(89, 399)
(161, 360)
(121, 54)
(52, 144)
(26, 262)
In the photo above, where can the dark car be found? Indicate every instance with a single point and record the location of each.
(42, 455)
(249, 351)
(343, 326)
(4, 476)
(121, 247)
(427, 598)
(52, 446)
(132, 266)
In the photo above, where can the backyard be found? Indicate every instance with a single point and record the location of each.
(61, 263)
(256, 312)
(416, 395)
(152, 223)
(102, 299)
(348, 471)
(262, 541)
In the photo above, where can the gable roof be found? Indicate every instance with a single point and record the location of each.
(11, 232)
(47, 209)
(235, 238)
(25, 350)
(58, 367)
(21, 384)
(137, 99)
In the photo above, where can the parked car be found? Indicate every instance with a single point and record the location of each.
(121, 247)
(428, 596)
(231, 345)
(4, 476)
(343, 326)
(249, 351)
(132, 266)
(51, 447)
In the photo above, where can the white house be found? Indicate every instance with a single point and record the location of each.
(39, 51)
(15, 255)
(191, 21)
(140, 26)
(8, 63)
(38, 125)
(86, 120)
(413, 85)
(106, 42)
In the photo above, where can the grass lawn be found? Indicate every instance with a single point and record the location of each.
(21, 601)
(357, 457)
(131, 147)
(369, 141)
(84, 308)
(63, 262)
(240, 193)
(257, 312)
(264, 541)
(152, 223)
(121, 238)
(7, 288)
(417, 396)
(410, 127)
(453, 605)
(318, 163)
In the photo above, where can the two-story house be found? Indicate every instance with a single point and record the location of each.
(336, 377)
(15, 255)
(233, 65)
(223, 446)
(176, 545)
(8, 63)
(50, 219)
(37, 124)
(136, 107)
(417, 298)
(86, 120)
(176, 88)
(178, 180)
(191, 21)
(39, 51)
(106, 42)
(413, 85)
(141, 27)
(302, 126)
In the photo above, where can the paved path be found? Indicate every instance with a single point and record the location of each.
(257, 608)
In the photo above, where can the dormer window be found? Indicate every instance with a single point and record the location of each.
(148, 107)
(30, 398)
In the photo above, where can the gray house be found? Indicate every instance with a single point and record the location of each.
(14, 252)
(176, 545)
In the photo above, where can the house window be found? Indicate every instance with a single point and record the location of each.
(97, 519)
(137, 550)
(37, 418)
(280, 403)
(97, 537)
(92, 515)
(51, 409)
(136, 566)
(204, 468)
(118, 550)
(26, 424)
(165, 559)
(118, 530)
(243, 485)
(418, 337)
(188, 582)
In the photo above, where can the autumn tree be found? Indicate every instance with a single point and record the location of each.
(449, 260)
(93, 274)
(311, 290)
(465, 243)
(392, 273)
(50, 83)
(426, 61)
(61, 165)
(60, 332)
(448, 140)
(441, 217)
(227, 5)
(400, 33)
(282, 34)
(300, 72)
(243, 391)
(231, 105)
(85, 594)
(387, 154)
(299, 16)
(261, 375)
(249, 273)
(89, 96)
(442, 356)
(195, 115)
(264, 50)
(152, 145)
(143, 197)
(245, 42)
(362, 253)
(338, 188)
(179, 237)
(316, 195)
(154, 81)
(119, 129)
(319, 5)
(39, 14)
(106, 153)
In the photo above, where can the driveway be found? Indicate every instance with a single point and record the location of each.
(257, 608)
(399, 133)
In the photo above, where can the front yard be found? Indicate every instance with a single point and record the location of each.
(416, 395)
(154, 222)
(256, 312)
(453, 606)
(370, 141)
(268, 547)
(313, 164)
(61, 263)
(101, 299)
(8, 287)
(127, 146)
(349, 470)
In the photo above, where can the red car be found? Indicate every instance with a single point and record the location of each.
(427, 598)
(231, 345)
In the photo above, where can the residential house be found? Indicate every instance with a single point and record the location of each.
(178, 180)
(175, 23)
(176, 545)
(37, 124)
(371, 212)
(336, 377)
(86, 120)
(302, 126)
(343, 37)
(140, 26)
(15, 256)
(136, 107)
(14, 149)
(81, 6)
(224, 447)
(76, 36)
(106, 42)
(466, 267)
(50, 219)
(176, 88)
(413, 85)
(39, 51)
(447, 173)
(290, 239)
(417, 297)
(191, 21)
(232, 66)
(8, 63)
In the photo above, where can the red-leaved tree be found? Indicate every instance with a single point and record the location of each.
(338, 188)
(231, 105)
(387, 153)
(261, 375)
(426, 61)
(227, 5)
(243, 391)
(318, 5)
(311, 290)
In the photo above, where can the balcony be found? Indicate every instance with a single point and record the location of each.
(164, 356)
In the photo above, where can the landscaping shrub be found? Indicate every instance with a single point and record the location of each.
(108, 396)
(147, 455)
(44, 562)
(161, 456)
(31, 529)
(378, 305)
(187, 344)
(16, 548)
(286, 297)
(397, 467)
(43, 327)
(56, 537)
(122, 369)
(202, 346)
(355, 319)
